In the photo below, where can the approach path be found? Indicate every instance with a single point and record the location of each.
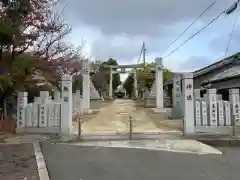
(114, 118)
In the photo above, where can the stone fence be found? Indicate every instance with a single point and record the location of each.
(210, 114)
(45, 115)
(41, 116)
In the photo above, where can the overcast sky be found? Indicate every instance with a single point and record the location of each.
(117, 28)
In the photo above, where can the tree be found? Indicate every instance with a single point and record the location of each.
(116, 76)
(102, 77)
(128, 84)
(32, 45)
(146, 77)
(99, 79)
(33, 25)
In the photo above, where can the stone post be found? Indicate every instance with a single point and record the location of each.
(110, 85)
(177, 96)
(135, 83)
(81, 107)
(235, 104)
(66, 105)
(188, 103)
(56, 95)
(21, 104)
(86, 86)
(44, 95)
(78, 102)
(212, 105)
(159, 83)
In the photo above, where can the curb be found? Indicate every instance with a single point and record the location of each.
(221, 142)
(114, 137)
(42, 169)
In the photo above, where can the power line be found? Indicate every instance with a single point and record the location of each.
(228, 11)
(166, 48)
(230, 37)
(194, 34)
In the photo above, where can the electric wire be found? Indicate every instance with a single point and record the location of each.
(228, 11)
(230, 37)
(195, 34)
(167, 47)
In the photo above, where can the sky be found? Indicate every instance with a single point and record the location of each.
(116, 29)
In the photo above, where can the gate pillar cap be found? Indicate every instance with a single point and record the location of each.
(66, 78)
(22, 94)
(233, 91)
(188, 76)
(212, 91)
(158, 62)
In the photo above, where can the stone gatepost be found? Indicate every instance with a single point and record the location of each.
(235, 109)
(159, 83)
(188, 103)
(177, 96)
(135, 83)
(22, 103)
(86, 85)
(79, 105)
(66, 105)
(110, 93)
(212, 105)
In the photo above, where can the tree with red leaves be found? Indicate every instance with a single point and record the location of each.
(32, 42)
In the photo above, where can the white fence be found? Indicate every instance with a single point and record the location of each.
(213, 115)
(41, 116)
(209, 114)
(45, 115)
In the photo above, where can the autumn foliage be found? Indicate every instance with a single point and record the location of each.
(33, 46)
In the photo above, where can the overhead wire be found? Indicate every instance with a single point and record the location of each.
(166, 48)
(227, 12)
(230, 37)
(191, 37)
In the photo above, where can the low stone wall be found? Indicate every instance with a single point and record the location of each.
(167, 102)
(95, 103)
(150, 102)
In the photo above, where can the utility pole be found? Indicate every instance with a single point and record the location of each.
(144, 52)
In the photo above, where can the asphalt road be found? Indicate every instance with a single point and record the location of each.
(65, 162)
(17, 161)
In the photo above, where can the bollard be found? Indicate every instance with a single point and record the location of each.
(130, 127)
(79, 127)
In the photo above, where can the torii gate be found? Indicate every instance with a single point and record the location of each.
(123, 70)
(157, 90)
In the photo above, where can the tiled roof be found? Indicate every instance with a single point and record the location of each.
(217, 64)
(231, 72)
